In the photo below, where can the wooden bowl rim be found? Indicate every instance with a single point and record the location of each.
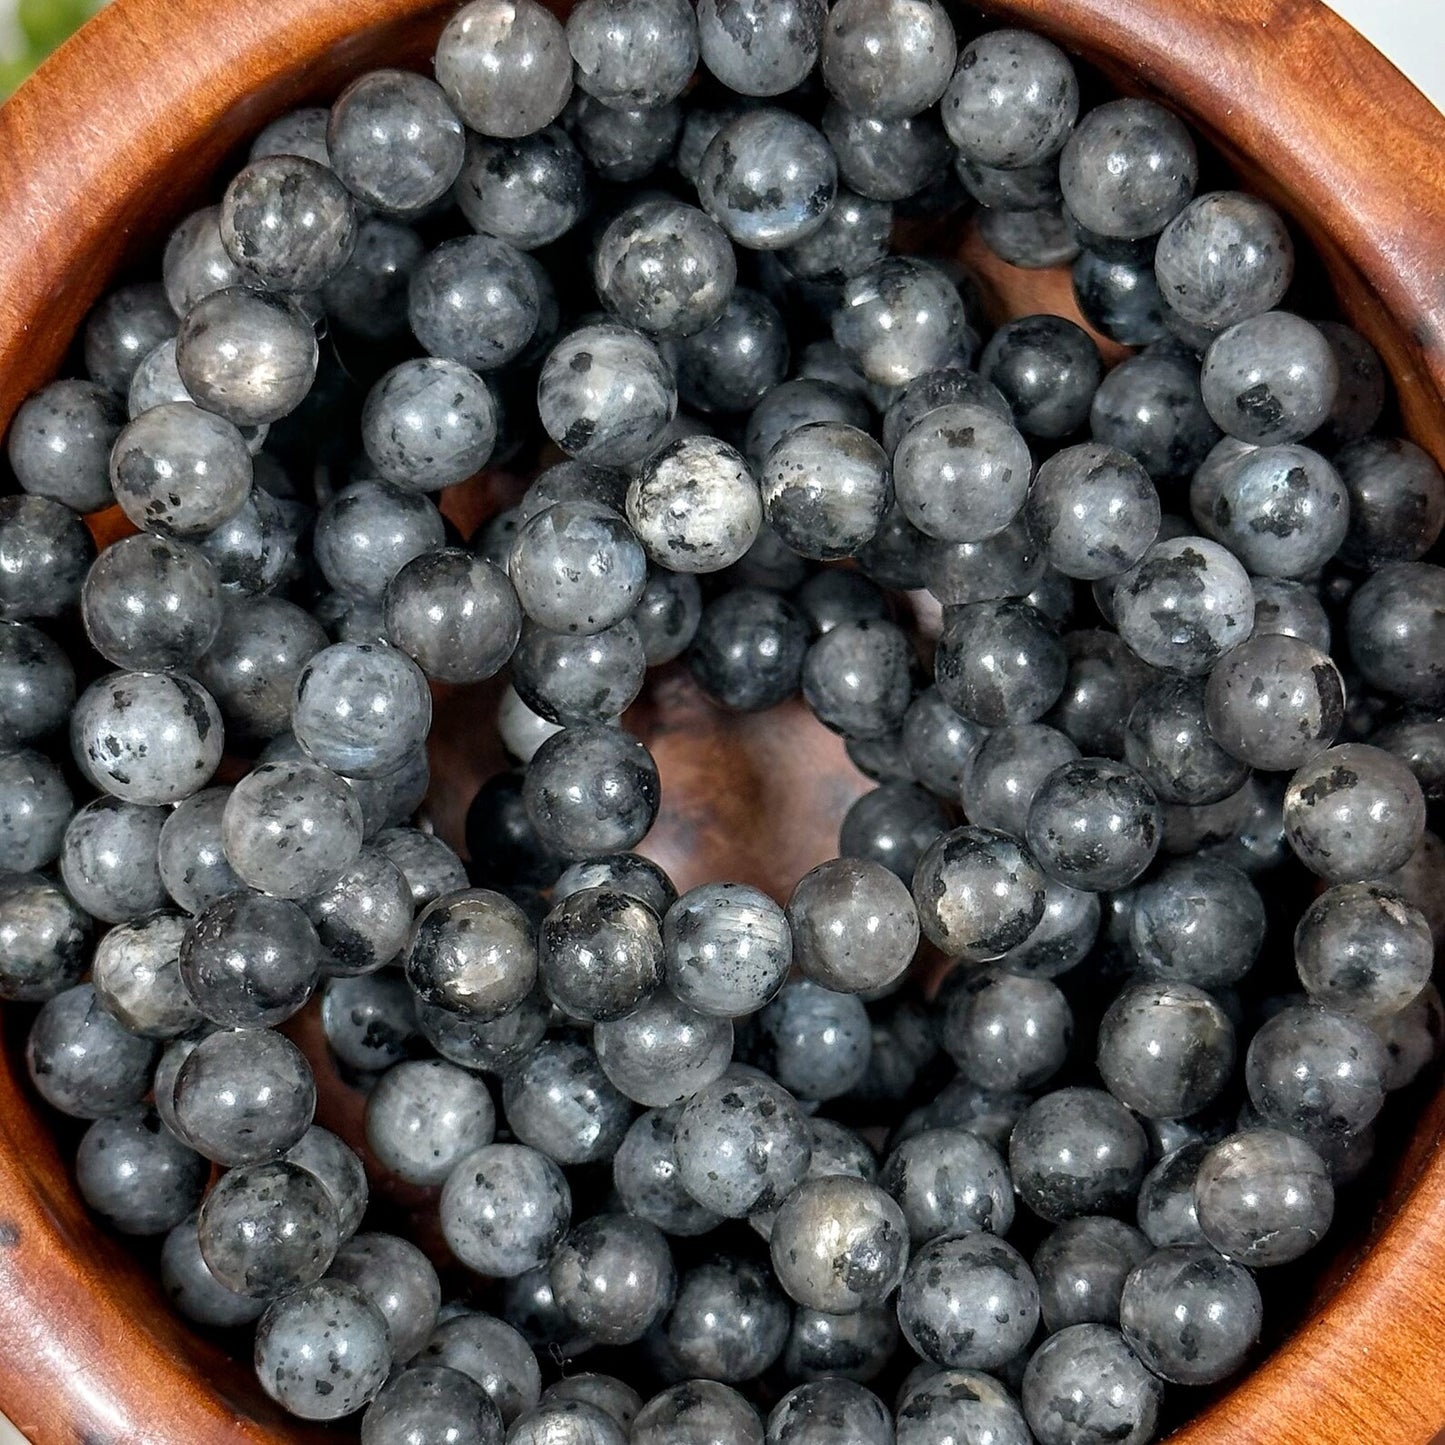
(1285, 85)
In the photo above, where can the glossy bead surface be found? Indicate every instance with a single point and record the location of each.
(325, 1333)
(506, 68)
(663, 1052)
(504, 1209)
(425, 1115)
(899, 319)
(888, 58)
(1085, 1386)
(1166, 1050)
(949, 1182)
(839, 1244)
(1077, 1151)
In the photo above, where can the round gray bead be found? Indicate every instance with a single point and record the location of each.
(760, 47)
(288, 222)
(429, 423)
(137, 977)
(60, 441)
(1085, 1386)
(1270, 379)
(424, 1116)
(431, 1402)
(949, 1182)
(664, 1052)
(559, 1101)
(399, 1280)
(503, 1210)
(839, 1244)
(962, 1405)
(694, 505)
(889, 58)
(1081, 1268)
(528, 191)
(494, 1355)
(194, 1291)
(327, 1333)
(1077, 1151)
(613, 1277)
(505, 66)
(1012, 100)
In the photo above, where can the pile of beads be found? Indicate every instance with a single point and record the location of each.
(1145, 660)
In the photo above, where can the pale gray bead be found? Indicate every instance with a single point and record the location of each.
(243, 1096)
(970, 1302)
(475, 300)
(46, 938)
(1005, 1032)
(399, 1280)
(191, 857)
(664, 1052)
(1361, 948)
(830, 1412)
(194, 1291)
(948, 1182)
(505, 66)
(195, 262)
(961, 1405)
(289, 222)
(491, 1353)
(695, 505)
(1190, 1315)
(246, 355)
(1085, 1386)
(124, 326)
(1081, 1268)
(425, 1115)
(901, 318)
(429, 423)
(560, 1102)
(430, 866)
(1012, 101)
(363, 916)
(147, 737)
(1094, 510)
(567, 1422)
(339, 1169)
(527, 191)
(180, 471)
(698, 1410)
(325, 1334)
(760, 47)
(647, 1179)
(889, 58)
(300, 132)
(815, 1042)
(1270, 379)
(60, 441)
(853, 924)
(768, 179)
(839, 1244)
(613, 1277)
(504, 1210)
(137, 977)
(368, 531)
(728, 949)
(1275, 702)
(825, 488)
(633, 54)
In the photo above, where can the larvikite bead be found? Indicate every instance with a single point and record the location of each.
(1184, 605)
(431, 868)
(1166, 1197)
(1363, 949)
(839, 1244)
(194, 262)
(825, 487)
(886, 160)
(700, 1411)
(1363, 387)
(815, 1042)
(1224, 258)
(194, 1291)
(1128, 169)
(254, 660)
(399, 1280)
(854, 926)
(664, 1051)
(599, 953)
(1397, 501)
(728, 949)
(628, 873)
(180, 471)
(300, 132)
(889, 58)
(1275, 702)
(961, 1405)
(337, 1166)
(246, 355)
(367, 297)
(454, 613)
(394, 140)
(1048, 369)
(614, 1278)
(961, 472)
(732, 364)
(253, 550)
(37, 684)
(490, 1353)
(147, 737)
(949, 1182)
(892, 826)
(46, 938)
(1354, 812)
(1012, 101)
(978, 893)
(137, 977)
(363, 916)
(560, 1101)
(190, 856)
(35, 807)
(288, 222)
(1169, 741)
(1005, 1032)
(729, 1322)
(1317, 1072)
(81, 1060)
(60, 441)
(695, 505)
(1094, 511)
(1263, 1197)
(266, 1229)
(901, 318)
(606, 394)
(567, 1422)
(591, 789)
(290, 828)
(243, 1096)
(1412, 1037)
(1270, 379)
(368, 531)
(1077, 1151)
(854, 237)
(1064, 937)
(1190, 1315)
(1085, 1386)
(323, 1351)
(948, 386)
(1094, 824)
(428, 423)
(646, 1177)
(795, 403)
(369, 1020)
(858, 678)
(768, 179)
(999, 661)
(1395, 631)
(505, 67)
(741, 1144)
(830, 1412)
(135, 1174)
(431, 1402)
(1197, 921)
(1165, 1049)
(623, 144)
(760, 47)
(475, 300)
(1293, 608)
(856, 1346)
(1007, 770)
(1150, 406)
(527, 191)
(1119, 298)
(126, 325)
(970, 1302)
(633, 54)
(1104, 681)
(362, 708)
(1081, 1268)
(570, 679)
(504, 1210)
(424, 1115)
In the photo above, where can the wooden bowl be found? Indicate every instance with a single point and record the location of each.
(125, 126)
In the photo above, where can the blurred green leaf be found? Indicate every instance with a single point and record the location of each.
(45, 23)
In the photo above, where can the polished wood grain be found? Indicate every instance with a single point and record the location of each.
(123, 129)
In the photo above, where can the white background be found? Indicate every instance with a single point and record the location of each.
(1410, 32)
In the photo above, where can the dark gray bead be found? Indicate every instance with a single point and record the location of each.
(253, 550)
(1077, 1151)
(768, 179)
(1094, 511)
(423, 1116)
(889, 58)
(363, 916)
(490, 1353)
(195, 262)
(472, 951)
(615, 806)
(321, 1153)
(82, 1061)
(633, 54)
(858, 678)
(369, 1020)
(1168, 740)
(1119, 298)
(728, 949)
(475, 300)
(1048, 370)
(431, 1402)
(947, 1182)
(35, 807)
(1064, 937)
(1006, 1032)
(1012, 101)
(796, 403)
(368, 531)
(60, 441)
(1275, 702)
(1166, 1197)
(1094, 824)
(815, 1042)
(901, 318)
(646, 1177)
(1085, 1386)
(394, 140)
(300, 132)
(367, 297)
(729, 1323)
(254, 660)
(886, 160)
(527, 191)
(854, 237)
(1165, 1049)
(1396, 501)
(623, 145)
(760, 47)
(1363, 389)
(124, 326)
(1362, 949)
(614, 1278)
(194, 1291)
(429, 423)
(732, 364)
(136, 1174)
(454, 613)
(664, 1051)
(1395, 631)
(37, 684)
(1006, 771)
(1198, 921)
(892, 826)
(1081, 1268)
(600, 953)
(1150, 406)
(999, 662)
(700, 1411)
(288, 222)
(839, 1244)
(561, 1102)
(505, 67)
(567, 1422)
(327, 1333)
(854, 926)
(431, 868)
(46, 938)
(191, 858)
(1270, 379)
(852, 1347)
(1190, 1315)
(399, 1280)
(978, 893)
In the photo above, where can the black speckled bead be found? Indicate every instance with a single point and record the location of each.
(1085, 1386)
(1077, 1151)
(888, 58)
